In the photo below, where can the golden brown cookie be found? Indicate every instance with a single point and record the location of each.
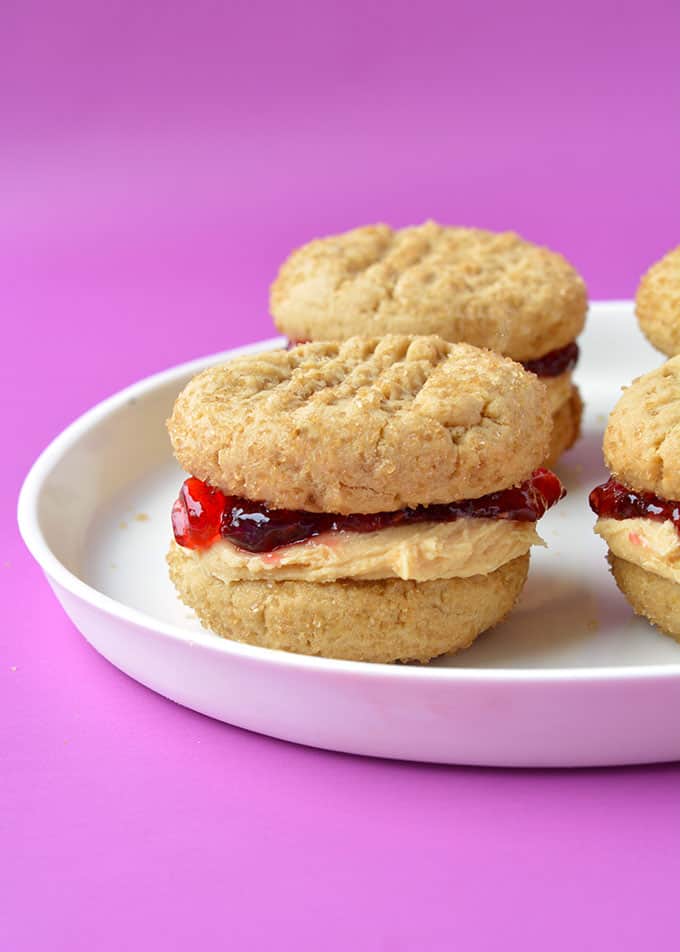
(560, 390)
(657, 303)
(566, 426)
(360, 427)
(384, 621)
(365, 425)
(463, 284)
(642, 439)
(637, 516)
(651, 596)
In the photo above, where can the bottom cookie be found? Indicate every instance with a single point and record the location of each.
(655, 598)
(566, 426)
(383, 621)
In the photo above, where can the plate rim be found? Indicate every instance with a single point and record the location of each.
(37, 545)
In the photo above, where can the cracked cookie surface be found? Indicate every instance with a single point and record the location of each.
(642, 439)
(493, 290)
(364, 425)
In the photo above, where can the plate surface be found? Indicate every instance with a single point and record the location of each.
(572, 678)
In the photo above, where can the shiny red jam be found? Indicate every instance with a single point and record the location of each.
(613, 500)
(555, 362)
(202, 514)
(552, 364)
(197, 513)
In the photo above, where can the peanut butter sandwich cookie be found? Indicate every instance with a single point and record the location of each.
(463, 284)
(657, 304)
(638, 509)
(371, 499)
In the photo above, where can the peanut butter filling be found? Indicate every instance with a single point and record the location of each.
(420, 552)
(654, 546)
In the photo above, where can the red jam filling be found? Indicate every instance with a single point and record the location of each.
(555, 362)
(197, 513)
(202, 514)
(552, 364)
(613, 500)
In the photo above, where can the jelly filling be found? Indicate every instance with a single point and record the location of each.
(203, 514)
(555, 362)
(552, 364)
(613, 500)
(197, 514)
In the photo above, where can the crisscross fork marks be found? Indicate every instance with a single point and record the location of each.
(464, 284)
(382, 371)
(363, 426)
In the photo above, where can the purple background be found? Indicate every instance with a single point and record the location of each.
(157, 161)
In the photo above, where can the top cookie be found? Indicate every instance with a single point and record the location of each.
(365, 425)
(657, 303)
(464, 284)
(642, 439)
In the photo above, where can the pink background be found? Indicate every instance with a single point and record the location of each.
(157, 161)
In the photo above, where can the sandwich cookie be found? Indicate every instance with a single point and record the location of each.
(371, 499)
(463, 284)
(657, 304)
(638, 509)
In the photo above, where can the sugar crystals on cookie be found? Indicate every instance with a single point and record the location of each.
(463, 284)
(638, 508)
(374, 499)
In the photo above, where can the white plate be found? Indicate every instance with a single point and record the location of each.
(572, 678)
